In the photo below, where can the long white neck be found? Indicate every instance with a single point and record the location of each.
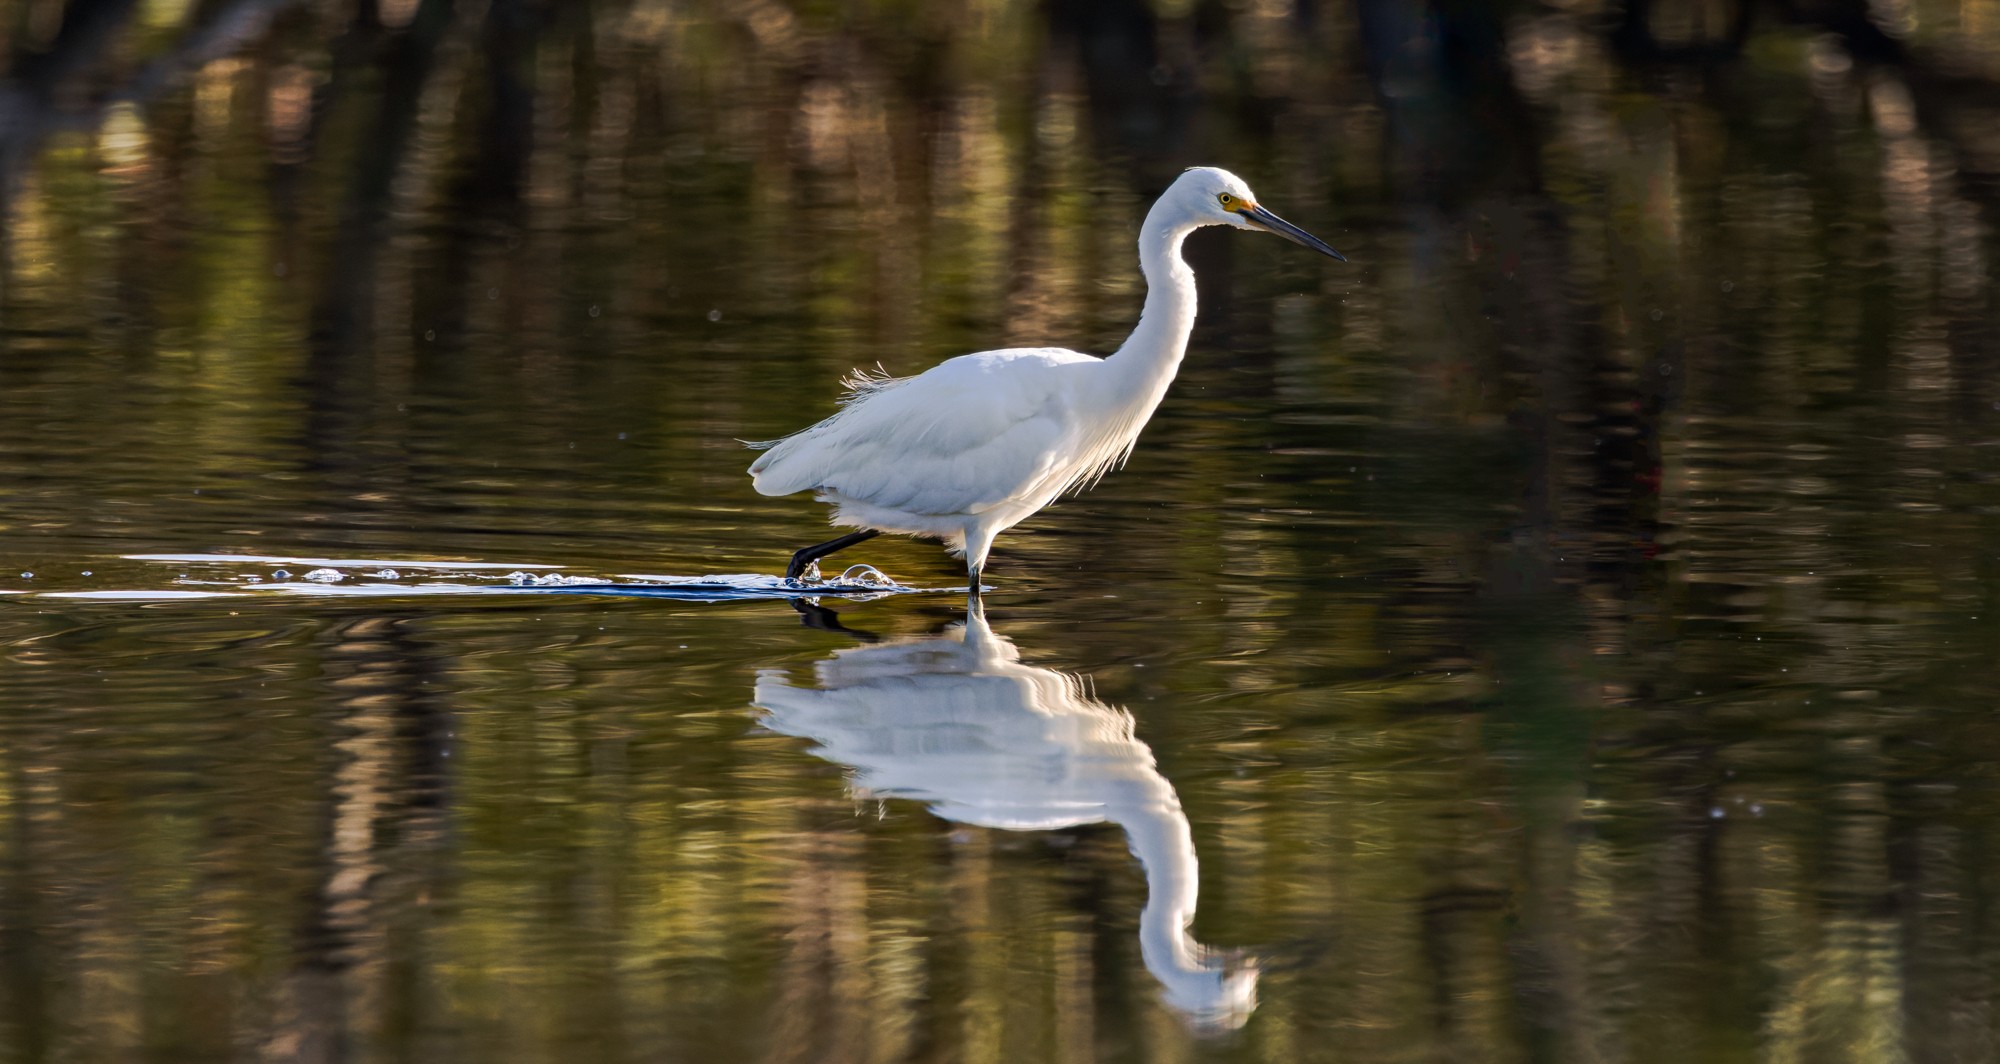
(1152, 354)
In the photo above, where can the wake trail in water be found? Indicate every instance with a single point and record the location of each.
(225, 576)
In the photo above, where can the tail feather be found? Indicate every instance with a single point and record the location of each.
(767, 473)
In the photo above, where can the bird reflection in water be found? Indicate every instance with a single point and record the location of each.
(959, 723)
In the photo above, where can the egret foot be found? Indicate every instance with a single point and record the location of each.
(808, 557)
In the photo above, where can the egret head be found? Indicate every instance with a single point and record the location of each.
(1213, 196)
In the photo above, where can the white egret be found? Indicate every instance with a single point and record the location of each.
(961, 724)
(976, 444)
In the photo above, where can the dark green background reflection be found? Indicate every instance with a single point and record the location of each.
(1567, 631)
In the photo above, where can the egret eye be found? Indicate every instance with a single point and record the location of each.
(1226, 200)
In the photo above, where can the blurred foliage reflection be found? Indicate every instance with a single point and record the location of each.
(1568, 629)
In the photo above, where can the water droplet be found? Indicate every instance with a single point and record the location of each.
(493, 293)
(326, 576)
(593, 310)
(1716, 813)
(281, 575)
(715, 315)
(866, 574)
(86, 572)
(430, 334)
(386, 574)
(27, 576)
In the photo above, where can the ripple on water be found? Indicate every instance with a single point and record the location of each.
(224, 575)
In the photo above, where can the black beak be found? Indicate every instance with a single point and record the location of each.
(1289, 231)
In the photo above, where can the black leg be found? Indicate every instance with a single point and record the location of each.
(808, 555)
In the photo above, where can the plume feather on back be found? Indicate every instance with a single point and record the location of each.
(973, 433)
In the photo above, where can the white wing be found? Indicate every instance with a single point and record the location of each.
(960, 438)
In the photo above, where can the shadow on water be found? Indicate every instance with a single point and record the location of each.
(960, 724)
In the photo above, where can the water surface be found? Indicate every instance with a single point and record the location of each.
(1566, 632)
